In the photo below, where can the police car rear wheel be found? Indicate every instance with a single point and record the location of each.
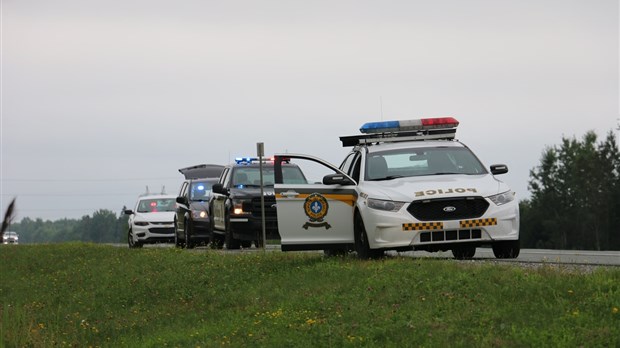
(464, 252)
(506, 249)
(362, 247)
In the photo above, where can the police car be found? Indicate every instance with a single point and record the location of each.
(235, 204)
(406, 185)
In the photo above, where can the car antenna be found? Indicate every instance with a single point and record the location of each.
(163, 189)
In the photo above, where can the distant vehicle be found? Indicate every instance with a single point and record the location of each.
(405, 185)
(192, 224)
(10, 238)
(152, 220)
(235, 205)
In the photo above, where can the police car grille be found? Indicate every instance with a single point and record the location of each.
(270, 207)
(448, 209)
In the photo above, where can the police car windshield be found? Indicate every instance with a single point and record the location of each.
(250, 176)
(156, 205)
(391, 164)
(200, 190)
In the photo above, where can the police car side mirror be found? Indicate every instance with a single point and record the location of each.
(337, 179)
(497, 169)
(219, 188)
(128, 211)
(181, 200)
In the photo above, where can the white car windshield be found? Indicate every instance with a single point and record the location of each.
(156, 205)
(391, 164)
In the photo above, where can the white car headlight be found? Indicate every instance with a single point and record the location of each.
(381, 204)
(503, 198)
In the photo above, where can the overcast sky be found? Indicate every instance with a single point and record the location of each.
(102, 98)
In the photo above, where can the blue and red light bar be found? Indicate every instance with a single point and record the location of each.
(409, 125)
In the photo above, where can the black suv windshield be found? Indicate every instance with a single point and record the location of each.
(249, 176)
(386, 165)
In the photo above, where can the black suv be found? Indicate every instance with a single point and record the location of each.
(236, 201)
(192, 222)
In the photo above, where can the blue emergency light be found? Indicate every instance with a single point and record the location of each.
(409, 125)
(245, 160)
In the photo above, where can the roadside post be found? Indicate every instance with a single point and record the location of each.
(260, 152)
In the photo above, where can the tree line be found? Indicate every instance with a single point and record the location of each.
(575, 196)
(574, 203)
(102, 227)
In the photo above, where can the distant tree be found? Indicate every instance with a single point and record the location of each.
(575, 199)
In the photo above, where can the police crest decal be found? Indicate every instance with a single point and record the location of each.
(316, 208)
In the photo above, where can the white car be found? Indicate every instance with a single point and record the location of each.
(10, 237)
(406, 185)
(152, 220)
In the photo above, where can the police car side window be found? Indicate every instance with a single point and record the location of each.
(355, 170)
(346, 164)
(225, 179)
(183, 189)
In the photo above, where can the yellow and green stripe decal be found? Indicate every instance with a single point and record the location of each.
(422, 226)
(345, 198)
(478, 222)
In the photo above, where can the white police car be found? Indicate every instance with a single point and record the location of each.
(152, 220)
(406, 185)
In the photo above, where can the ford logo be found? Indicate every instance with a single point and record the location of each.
(449, 209)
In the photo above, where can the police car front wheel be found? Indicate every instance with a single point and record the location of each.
(362, 247)
(506, 249)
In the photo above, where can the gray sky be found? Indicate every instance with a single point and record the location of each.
(102, 98)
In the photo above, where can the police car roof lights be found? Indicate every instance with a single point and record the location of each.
(404, 130)
(250, 160)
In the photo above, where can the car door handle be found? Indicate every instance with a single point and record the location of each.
(289, 194)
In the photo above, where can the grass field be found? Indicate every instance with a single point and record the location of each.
(93, 295)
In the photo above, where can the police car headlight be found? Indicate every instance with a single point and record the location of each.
(141, 223)
(381, 204)
(503, 198)
(241, 206)
(199, 214)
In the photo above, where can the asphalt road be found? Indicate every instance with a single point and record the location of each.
(611, 258)
(579, 257)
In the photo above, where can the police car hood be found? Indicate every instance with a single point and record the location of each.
(199, 205)
(435, 186)
(160, 216)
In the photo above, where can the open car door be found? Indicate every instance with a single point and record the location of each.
(314, 212)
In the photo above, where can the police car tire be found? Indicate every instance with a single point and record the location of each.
(362, 247)
(177, 241)
(231, 242)
(464, 252)
(506, 249)
(188, 235)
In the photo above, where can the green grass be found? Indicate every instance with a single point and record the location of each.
(93, 295)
